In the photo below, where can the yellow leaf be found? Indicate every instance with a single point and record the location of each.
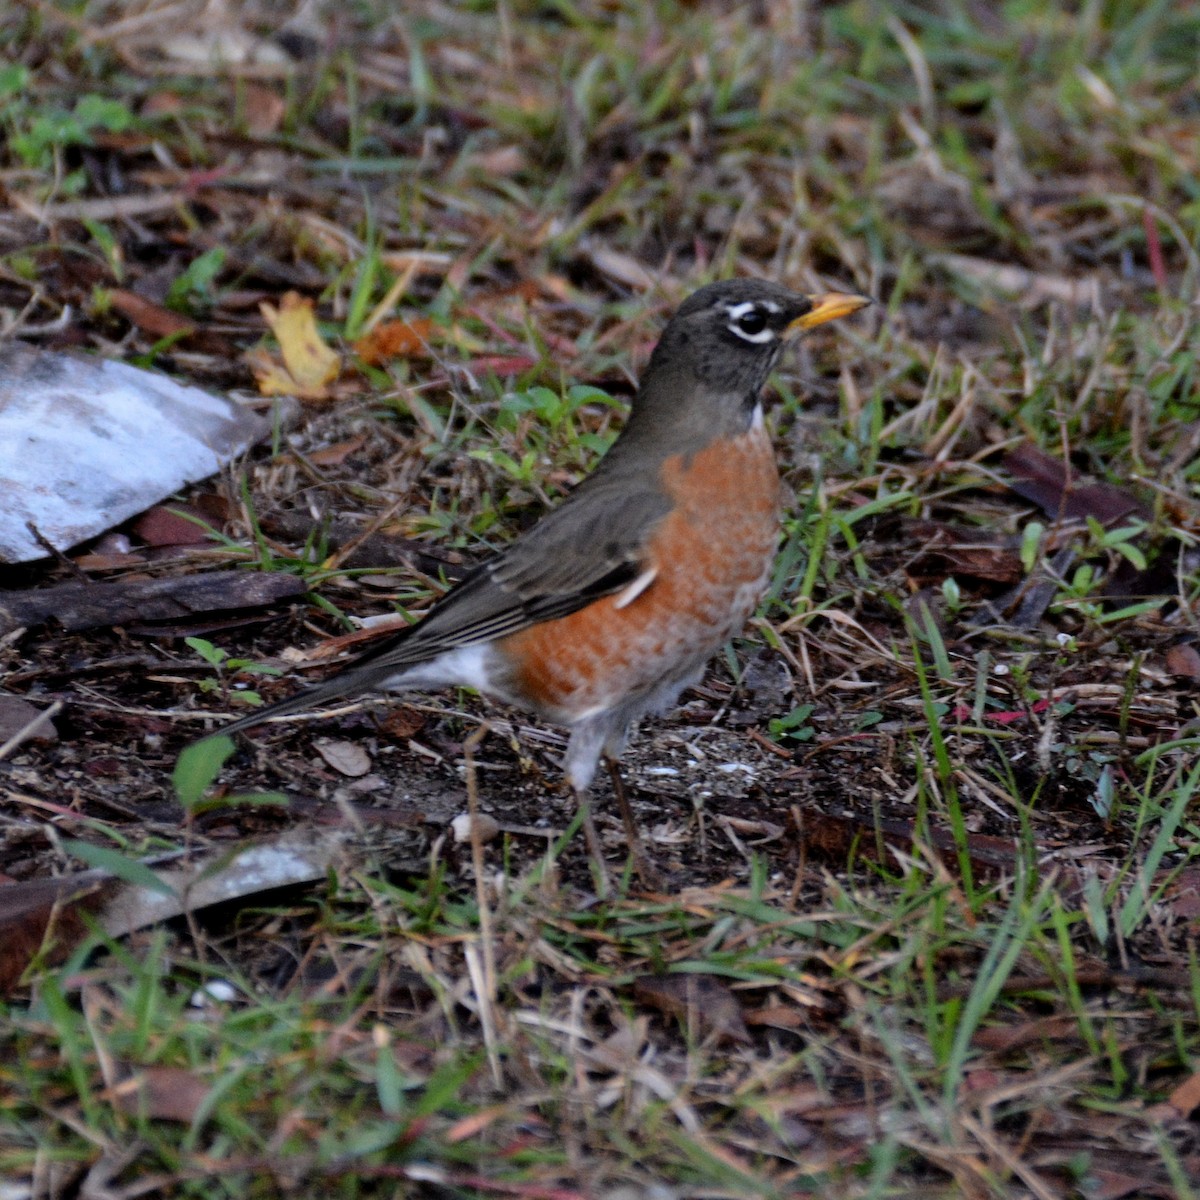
(308, 366)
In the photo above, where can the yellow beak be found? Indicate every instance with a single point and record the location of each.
(828, 307)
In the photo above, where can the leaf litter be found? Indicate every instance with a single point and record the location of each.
(938, 932)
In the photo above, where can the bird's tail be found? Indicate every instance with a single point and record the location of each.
(340, 686)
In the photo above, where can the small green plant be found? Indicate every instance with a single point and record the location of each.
(38, 132)
(1078, 594)
(196, 771)
(555, 412)
(1082, 593)
(192, 288)
(523, 472)
(794, 727)
(547, 422)
(952, 594)
(227, 667)
(193, 777)
(1119, 541)
(1031, 544)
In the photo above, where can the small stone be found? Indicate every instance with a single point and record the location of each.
(489, 827)
(219, 990)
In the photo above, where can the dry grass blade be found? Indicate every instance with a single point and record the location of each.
(927, 859)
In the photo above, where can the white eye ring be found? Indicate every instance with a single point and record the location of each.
(739, 312)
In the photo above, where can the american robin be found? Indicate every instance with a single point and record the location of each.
(611, 605)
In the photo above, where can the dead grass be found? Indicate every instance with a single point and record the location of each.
(929, 836)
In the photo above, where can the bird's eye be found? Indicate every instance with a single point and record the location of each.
(752, 322)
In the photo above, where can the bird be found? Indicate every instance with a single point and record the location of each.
(611, 605)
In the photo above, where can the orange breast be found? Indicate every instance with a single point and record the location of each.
(712, 557)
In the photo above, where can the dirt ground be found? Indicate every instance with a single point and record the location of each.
(923, 914)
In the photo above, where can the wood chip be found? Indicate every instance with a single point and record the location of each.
(90, 605)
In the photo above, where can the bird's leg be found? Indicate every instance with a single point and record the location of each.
(646, 870)
(595, 849)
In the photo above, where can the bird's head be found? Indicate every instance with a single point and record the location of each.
(725, 339)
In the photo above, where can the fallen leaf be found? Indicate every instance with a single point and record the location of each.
(309, 366)
(299, 856)
(982, 1080)
(624, 268)
(163, 104)
(45, 912)
(262, 109)
(224, 47)
(426, 262)
(347, 758)
(1184, 661)
(394, 339)
(502, 161)
(1054, 488)
(963, 551)
(171, 525)
(1116, 1185)
(403, 722)
(833, 836)
(108, 562)
(1003, 1039)
(1185, 1099)
(474, 1124)
(1183, 895)
(161, 1094)
(1154, 251)
(501, 364)
(704, 999)
(335, 455)
(776, 1016)
(961, 713)
(149, 317)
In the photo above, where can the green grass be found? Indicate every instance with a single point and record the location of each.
(959, 938)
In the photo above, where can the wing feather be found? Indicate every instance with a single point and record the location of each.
(593, 545)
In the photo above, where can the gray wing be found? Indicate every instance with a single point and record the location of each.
(592, 545)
